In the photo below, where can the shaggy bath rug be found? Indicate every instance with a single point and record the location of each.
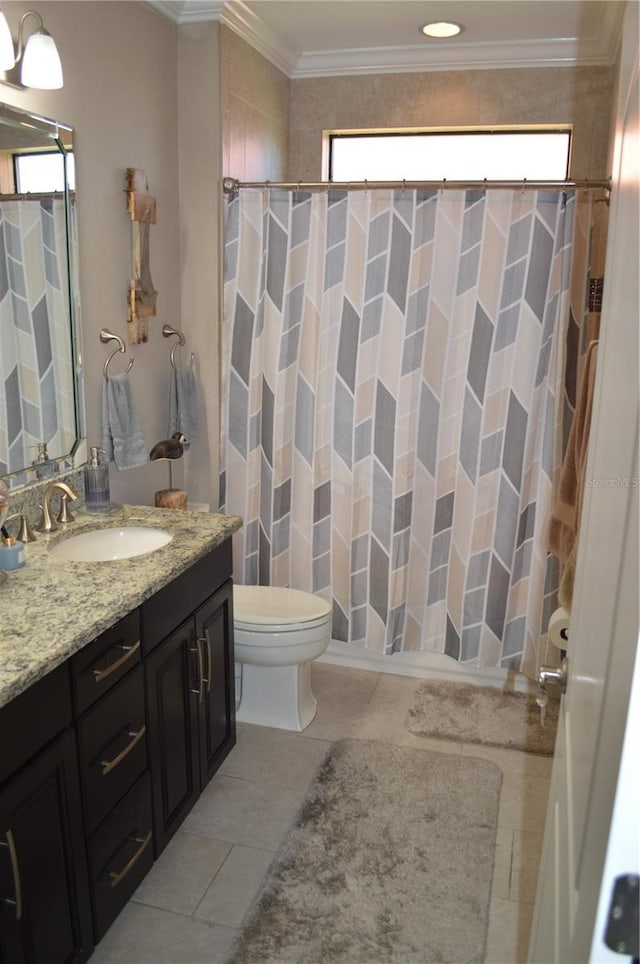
(482, 714)
(389, 860)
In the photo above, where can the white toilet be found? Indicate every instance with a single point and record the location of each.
(277, 634)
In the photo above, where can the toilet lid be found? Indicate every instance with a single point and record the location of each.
(273, 606)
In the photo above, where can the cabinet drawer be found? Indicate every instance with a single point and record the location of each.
(99, 666)
(120, 855)
(169, 607)
(32, 719)
(113, 747)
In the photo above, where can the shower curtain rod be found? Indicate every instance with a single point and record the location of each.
(35, 196)
(230, 185)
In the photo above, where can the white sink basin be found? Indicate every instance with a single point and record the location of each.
(103, 545)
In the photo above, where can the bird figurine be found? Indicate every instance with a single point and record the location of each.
(167, 450)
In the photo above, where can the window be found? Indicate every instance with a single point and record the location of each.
(42, 172)
(457, 155)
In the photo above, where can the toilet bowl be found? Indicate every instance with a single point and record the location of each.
(277, 634)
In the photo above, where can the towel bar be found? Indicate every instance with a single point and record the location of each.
(107, 336)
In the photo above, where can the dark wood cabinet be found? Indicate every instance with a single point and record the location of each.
(191, 710)
(217, 713)
(120, 854)
(44, 908)
(103, 758)
(172, 713)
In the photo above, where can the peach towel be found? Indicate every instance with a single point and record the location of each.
(562, 534)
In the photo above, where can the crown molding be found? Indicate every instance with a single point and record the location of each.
(381, 60)
(611, 29)
(188, 11)
(598, 50)
(261, 36)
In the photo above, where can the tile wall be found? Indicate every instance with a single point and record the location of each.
(255, 101)
(582, 96)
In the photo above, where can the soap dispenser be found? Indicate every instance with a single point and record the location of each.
(96, 482)
(44, 467)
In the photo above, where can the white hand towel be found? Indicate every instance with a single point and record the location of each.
(183, 404)
(122, 438)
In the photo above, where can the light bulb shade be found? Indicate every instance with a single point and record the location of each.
(41, 67)
(7, 53)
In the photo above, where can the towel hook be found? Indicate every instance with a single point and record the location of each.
(168, 331)
(107, 336)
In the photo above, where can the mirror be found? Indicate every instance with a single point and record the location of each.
(41, 397)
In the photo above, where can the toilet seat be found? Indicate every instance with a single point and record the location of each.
(270, 609)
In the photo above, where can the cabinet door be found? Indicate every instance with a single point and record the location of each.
(173, 683)
(45, 916)
(217, 716)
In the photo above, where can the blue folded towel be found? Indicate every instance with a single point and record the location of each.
(183, 404)
(122, 438)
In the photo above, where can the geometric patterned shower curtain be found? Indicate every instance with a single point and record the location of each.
(37, 402)
(392, 373)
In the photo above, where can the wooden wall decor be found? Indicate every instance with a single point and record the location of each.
(142, 295)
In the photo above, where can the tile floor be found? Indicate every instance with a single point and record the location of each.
(188, 908)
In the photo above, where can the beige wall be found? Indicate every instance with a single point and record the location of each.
(120, 96)
(255, 113)
(200, 157)
(582, 96)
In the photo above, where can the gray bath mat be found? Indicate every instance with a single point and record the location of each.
(389, 860)
(482, 714)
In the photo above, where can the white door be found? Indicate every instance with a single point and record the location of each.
(572, 886)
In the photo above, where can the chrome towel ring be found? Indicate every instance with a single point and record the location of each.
(168, 331)
(107, 336)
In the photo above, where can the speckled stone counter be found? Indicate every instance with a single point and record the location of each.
(52, 608)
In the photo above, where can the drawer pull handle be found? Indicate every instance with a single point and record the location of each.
(15, 870)
(118, 876)
(201, 679)
(100, 675)
(205, 641)
(109, 765)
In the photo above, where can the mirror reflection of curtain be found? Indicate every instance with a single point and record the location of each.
(393, 368)
(35, 359)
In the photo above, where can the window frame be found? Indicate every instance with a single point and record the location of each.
(330, 136)
(16, 156)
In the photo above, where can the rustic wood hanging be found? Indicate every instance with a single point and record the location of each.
(142, 295)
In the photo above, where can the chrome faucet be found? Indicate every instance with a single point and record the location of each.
(46, 523)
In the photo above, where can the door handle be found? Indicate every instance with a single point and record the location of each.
(136, 736)
(201, 679)
(115, 876)
(15, 870)
(100, 675)
(554, 674)
(205, 641)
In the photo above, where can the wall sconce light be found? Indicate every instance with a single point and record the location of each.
(41, 67)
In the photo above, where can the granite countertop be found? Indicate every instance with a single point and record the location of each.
(52, 608)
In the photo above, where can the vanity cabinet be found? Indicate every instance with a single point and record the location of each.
(45, 915)
(190, 691)
(102, 759)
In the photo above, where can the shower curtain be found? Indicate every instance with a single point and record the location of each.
(35, 356)
(392, 408)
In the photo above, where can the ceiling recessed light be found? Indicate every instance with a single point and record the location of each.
(442, 29)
